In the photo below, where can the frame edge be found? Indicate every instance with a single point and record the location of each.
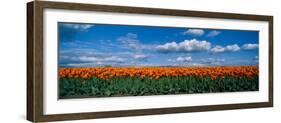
(271, 55)
(30, 81)
(145, 10)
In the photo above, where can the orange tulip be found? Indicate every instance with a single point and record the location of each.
(157, 73)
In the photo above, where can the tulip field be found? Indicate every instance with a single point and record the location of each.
(111, 81)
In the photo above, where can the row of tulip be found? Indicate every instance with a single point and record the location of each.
(156, 72)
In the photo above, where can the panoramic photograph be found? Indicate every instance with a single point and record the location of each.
(106, 60)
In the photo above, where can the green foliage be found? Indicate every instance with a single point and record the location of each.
(128, 86)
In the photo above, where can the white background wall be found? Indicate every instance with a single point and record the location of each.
(13, 61)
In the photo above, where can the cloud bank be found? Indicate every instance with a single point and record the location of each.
(228, 48)
(250, 46)
(193, 45)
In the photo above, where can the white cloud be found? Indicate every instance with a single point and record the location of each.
(87, 59)
(168, 47)
(99, 59)
(250, 46)
(213, 33)
(79, 64)
(195, 65)
(184, 59)
(185, 46)
(181, 59)
(194, 32)
(81, 27)
(217, 49)
(213, 61)
(232, 48)
(140, 56)
(130, 41)
(113, 59)
(170, 60)
(228, 48)
(189, 64)
(194, 45)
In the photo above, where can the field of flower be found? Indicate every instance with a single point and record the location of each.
(108, 81)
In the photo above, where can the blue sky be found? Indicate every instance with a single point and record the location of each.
(97, 45)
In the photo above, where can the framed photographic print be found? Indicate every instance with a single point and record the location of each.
(95, 61)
